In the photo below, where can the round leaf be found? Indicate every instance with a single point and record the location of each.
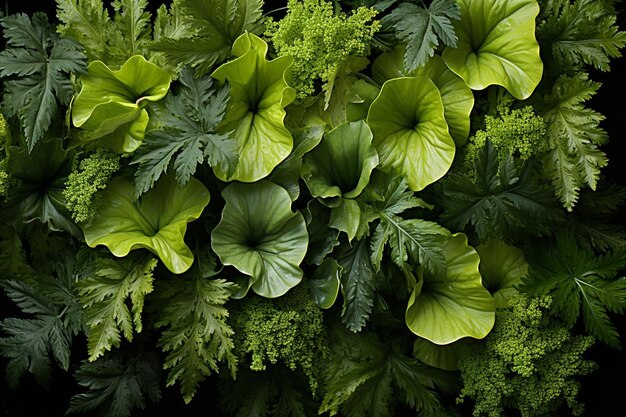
(440, 356)
(325, 282)
(497, 45)
(501, 266)
(457, 97)
(453, 305)
(111, 102)
(261, 237)
(340, 166)
(410, 131)
(259, 94)
(157, 222)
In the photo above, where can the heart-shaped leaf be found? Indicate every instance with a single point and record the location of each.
(157, 222)
(261, 237)
(258, 95)
(450, 306)
(111, 103)
(497, 45)
(410, 131)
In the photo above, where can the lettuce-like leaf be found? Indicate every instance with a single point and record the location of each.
(457, 97)
(340, 166)
(497, 45)
(111, 103)
(259, 92)
(410, 131)
(446, 307)
(157, 222)
(261, 237)
(502, 267)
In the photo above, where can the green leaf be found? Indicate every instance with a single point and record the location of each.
(111, 104)
(410, 131)
(38, 65)
(346, 218)
(210, 29)
(116, 384)
(88, 22)
(574, 134)
(13, 262)
(340, 166)
(42, 175)
(105, 294)
(358, 283)
(157, 222)
(259, 92)
(456, 299)
(266, 245)
(325, 282)
(497, 45)
(502, 268)
(444, 357)
(578, 280)
(32, 343)
(366, 377)
(504, 200)
(196, 335)
(457, 97)
(411, 240)
(131, 29)
(189, 134)
(322, 237)
(576, 33)
(422, 28)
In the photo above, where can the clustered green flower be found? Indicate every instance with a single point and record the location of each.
(519, 133)
(527, 362)
(320, 40)
(4, 177)
(289, 329)
(85, 183)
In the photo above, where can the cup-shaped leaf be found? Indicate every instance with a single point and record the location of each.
(261, 237)
(457, 97)
(440, 356)
(410, 131)
(325, 282)
(501, 266)
(255, 114)
(157, 222)
(453, 305)
(497, 45)
(111, 103)
(340, 166)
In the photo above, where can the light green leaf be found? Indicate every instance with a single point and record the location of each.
(340, 166)
(259, 92)
(157, 222)
(325, 282)
(497, 45)
(444, 357)
(260, 236)
(346, 217)
(446, 307)
(501, 267)
(410, 131)
(111, 103)
(457, 97)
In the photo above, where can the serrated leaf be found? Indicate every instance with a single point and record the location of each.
(88, 22)
(421, 28)
(104, 296)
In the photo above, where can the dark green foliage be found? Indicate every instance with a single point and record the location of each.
(116, 384)
(528, 362)
(358, 280)
(504, 199)
(366, 377)
(189, 134)
(196, 335)
(578, 280)
(421, 28)
(289, 329)
(86, 182)
(36, 68)
(576, 33)
(104, 294)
